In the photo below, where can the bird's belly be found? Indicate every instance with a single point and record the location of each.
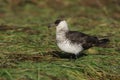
(68, 47)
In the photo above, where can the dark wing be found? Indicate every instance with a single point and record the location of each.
(81, 38)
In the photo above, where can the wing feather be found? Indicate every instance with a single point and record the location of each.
(81, 38)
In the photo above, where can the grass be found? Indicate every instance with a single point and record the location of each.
(28, 50)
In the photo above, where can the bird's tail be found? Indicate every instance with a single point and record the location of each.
(103, 42)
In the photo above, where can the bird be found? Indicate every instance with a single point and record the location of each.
(74, 42)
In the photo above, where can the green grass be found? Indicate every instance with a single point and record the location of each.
(27, 45)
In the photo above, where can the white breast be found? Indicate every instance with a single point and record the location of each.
(63, 43)
(68, 47)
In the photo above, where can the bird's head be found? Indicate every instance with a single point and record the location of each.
(55, 23)
(58, 21)
(60, 24)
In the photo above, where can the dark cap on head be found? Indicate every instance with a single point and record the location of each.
(57, 22)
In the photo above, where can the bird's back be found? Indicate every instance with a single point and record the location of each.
(81, 38)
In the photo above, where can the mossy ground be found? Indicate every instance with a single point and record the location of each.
(28, 50)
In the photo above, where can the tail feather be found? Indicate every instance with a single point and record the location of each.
(103, 41)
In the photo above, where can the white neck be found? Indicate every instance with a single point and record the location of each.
(61, 30)
(62, 27)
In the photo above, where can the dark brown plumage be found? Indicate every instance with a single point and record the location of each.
(74, 42)
(85, 40)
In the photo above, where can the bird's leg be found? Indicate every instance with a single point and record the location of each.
(76, 56)
(71, 57)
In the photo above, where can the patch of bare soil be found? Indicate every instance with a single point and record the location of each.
(26, 30)
(11, 60)
(6, 27)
